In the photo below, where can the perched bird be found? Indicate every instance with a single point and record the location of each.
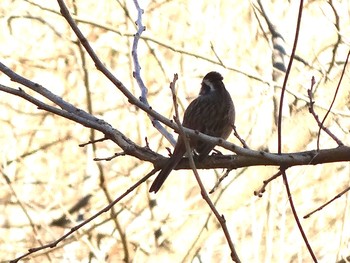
(212, 113)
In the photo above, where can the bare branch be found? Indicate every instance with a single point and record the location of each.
(262, 190)
(246, 157)
(297, 30)
(295, 214)
(82, 117)
(75, 228)
(330, 107)
(24, 68)
(137, 73)
(319, 123)
(205, 196)
(327, 203)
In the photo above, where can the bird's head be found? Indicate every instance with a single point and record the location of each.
(211, 82)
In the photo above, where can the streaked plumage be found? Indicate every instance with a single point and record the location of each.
(212, 113)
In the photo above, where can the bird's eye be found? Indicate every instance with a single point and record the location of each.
(205, 89)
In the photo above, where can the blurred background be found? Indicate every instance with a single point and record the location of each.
(49, 183)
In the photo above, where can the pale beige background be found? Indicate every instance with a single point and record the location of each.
(36, 42)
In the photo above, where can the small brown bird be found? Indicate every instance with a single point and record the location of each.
(212, 113)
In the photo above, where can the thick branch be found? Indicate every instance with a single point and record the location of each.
(339, 154)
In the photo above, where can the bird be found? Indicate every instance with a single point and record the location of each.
(211, 113)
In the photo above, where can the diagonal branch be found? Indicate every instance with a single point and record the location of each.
(244, 158)
(334, 97)
(319, 123)
(221, 219)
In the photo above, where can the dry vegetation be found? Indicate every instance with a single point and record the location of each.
(44, 172)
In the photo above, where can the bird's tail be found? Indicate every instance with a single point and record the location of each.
(164, 173)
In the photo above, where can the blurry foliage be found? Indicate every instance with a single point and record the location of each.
(49, 172)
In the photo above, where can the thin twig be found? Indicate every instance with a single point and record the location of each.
(260, 192)
(168, 46)
(339, 37)
(219, 181)
(108, 74)
(75, 228)
(24, 209)
(297, 30)
(239, 137)
(334, 97)
(279, 127)
(220, 218)
(319, 123)
(327, 203)
(137, 73)
(204, 193)
(296, 217)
